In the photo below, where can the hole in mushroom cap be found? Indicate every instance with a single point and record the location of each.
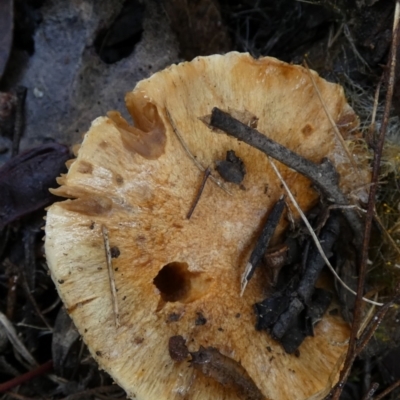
(176, 283)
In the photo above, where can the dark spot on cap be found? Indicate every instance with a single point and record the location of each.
(200, 320)
(173, 317)
(85, 167)
(115, 252)
(177, 348)
(119, 179)
(98, 353)
(61, 281)
(307, 130)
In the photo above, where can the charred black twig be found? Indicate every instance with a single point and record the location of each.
(262, 242)
(290, 314)
(315, 262)
(312, 233)
(19, 119)
(207, 173)
(324, 175)
(306, 286)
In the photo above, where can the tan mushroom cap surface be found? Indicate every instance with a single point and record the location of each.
(139, 187)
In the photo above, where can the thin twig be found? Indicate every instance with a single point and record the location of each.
(372, 127)
(333, 39)
(375, 321)
(39, 328)
(370, 210)
(371, 391)
(388, 390)
(206, 174)
(16, 342)
(262, 242)
(313, 235)
(111, 279)
(28, 293)
(386, 233)
(19, 380)
(331, 121)
(192, 157)
(353, 46)
(324, 175)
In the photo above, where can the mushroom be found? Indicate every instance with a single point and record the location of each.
(133, 271)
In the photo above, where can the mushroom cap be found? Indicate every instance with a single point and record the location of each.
(175, 276)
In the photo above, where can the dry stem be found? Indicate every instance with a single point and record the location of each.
(352, 353)
(111, 279)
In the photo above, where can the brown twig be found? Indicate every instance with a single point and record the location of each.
(27, 291)
(19, 380)
(388, 390)
(206, 174)
(192, 157)
(352, 350)
(374, 323)
(111, 279)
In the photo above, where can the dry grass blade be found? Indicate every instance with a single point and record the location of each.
(331, 121)
(16, 342)
(314, 236)
(353, 46)
(110, 269)
(192, 157)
